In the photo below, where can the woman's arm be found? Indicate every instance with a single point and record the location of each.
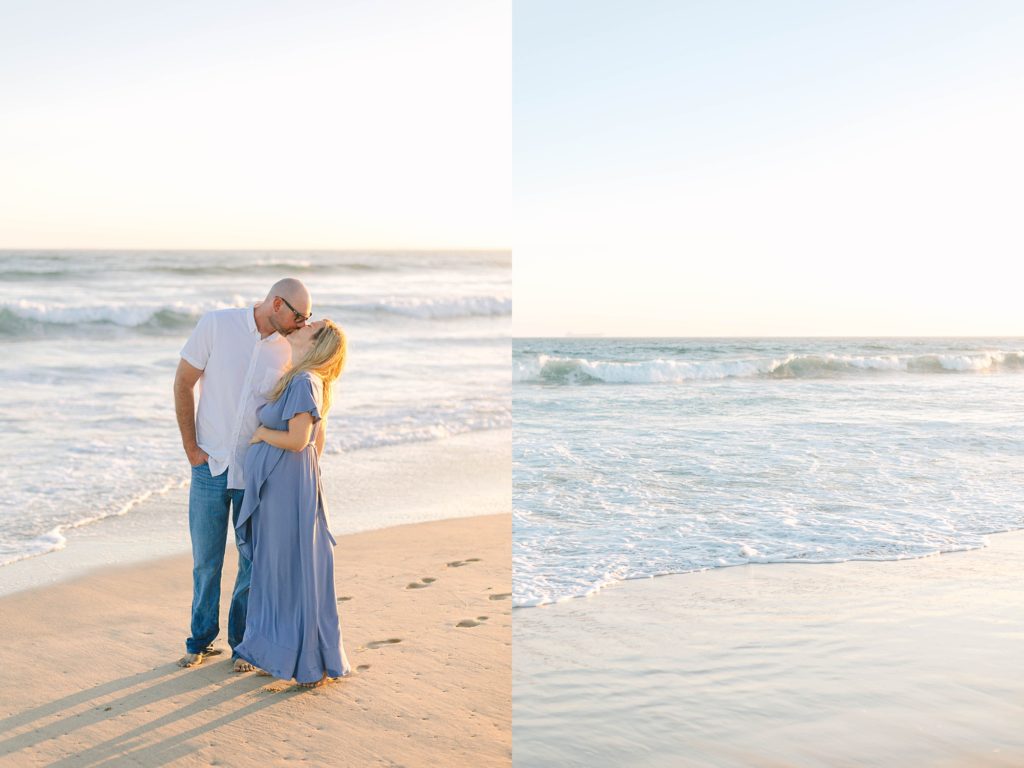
(294, 439)
(320, 435)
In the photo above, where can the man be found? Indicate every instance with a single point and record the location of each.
(237, 355)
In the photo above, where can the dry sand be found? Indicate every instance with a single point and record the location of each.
(89, 679)
(909, 663)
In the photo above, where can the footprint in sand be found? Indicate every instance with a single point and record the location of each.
(471, 623)
(381, 643)
(502, 596)
(343, 599)
(362, 667)
(426, 581)
(460, 563)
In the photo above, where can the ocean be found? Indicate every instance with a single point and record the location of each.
(635, 458)
(89, 343)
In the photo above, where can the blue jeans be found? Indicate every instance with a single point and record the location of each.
(209, 501)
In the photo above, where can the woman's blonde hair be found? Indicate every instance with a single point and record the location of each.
(325, 358)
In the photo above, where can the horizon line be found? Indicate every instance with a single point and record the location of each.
(787, 336)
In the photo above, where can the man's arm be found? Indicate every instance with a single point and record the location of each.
(185, 409)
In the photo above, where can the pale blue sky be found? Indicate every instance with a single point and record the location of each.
(212, 123)
(791, 168)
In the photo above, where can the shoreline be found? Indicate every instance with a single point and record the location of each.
(858, 663)
(91, 678)
(463, 475)
(595, 591)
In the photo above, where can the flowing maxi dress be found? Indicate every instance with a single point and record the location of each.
(291, 628)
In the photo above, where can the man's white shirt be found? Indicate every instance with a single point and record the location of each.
(239, 371)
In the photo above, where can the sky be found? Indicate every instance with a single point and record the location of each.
(220, 124)
(729, 168)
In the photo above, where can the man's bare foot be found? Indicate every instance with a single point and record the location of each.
(195, 659)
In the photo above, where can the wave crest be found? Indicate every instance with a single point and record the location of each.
(25, 317)
(438, 309)
(564, 370)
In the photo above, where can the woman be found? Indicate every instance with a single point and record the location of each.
(291, 628)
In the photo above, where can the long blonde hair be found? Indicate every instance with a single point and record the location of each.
(325, 358)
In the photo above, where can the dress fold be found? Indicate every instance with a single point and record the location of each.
(292, 628)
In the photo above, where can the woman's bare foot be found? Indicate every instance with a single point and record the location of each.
(322, 681)
(241, 665)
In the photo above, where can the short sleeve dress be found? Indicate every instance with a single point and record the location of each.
(292, 628)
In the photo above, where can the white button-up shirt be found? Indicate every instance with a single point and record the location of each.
(239, 371)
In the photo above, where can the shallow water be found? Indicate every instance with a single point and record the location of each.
(90, 342)
(640, 457)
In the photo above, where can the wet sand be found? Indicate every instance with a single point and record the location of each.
(908, 663)
(461, 476)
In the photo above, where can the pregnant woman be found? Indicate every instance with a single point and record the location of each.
(292, 628)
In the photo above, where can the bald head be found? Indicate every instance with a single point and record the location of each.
(294, 292)
(286, 308)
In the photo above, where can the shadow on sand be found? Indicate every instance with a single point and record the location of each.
(146, 703)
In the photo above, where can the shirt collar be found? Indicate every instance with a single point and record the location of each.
(251, 323)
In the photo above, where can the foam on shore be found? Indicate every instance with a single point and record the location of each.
(459, 476)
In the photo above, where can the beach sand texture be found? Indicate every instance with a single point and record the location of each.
(904, 663)
(89, 673)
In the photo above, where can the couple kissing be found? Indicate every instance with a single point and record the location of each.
(254, 441)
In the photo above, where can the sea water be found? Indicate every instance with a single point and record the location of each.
(642, 457)
(89, 344)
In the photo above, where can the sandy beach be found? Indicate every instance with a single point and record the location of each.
(89, 673)
(90, 678)
(904, 663)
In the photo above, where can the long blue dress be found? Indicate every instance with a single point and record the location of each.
(291, 628)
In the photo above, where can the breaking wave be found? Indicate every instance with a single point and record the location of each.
(565, 370)
(438, 309)
(27, 317)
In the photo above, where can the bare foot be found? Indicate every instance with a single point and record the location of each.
(317, 684)
(195, 659)
(241, 665)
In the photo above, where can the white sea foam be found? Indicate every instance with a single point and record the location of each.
(134, 314)
(51, 541)
(284, 263)
(542, 368)
(90, 343)
(844, 450)
(127, 314)
(54, 539)
(357, 439)
(427, 308)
